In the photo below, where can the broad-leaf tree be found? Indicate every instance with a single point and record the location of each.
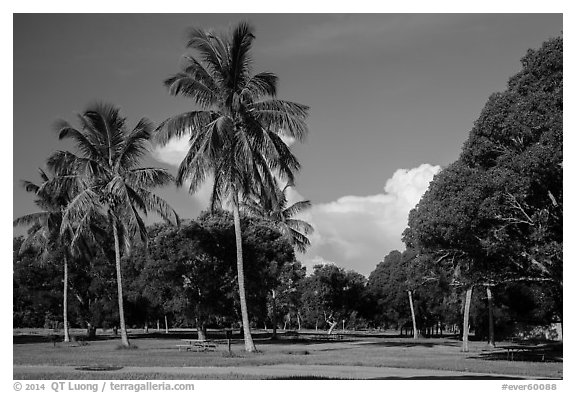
(235, 132)
(497, 211)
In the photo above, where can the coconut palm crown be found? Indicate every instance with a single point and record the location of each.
(110, 183)
(235, 135)
(48, 234)
(282, 216)
(235, 130)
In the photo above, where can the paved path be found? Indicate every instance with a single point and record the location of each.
(281, 370)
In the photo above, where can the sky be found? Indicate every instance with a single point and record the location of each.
(392, 99)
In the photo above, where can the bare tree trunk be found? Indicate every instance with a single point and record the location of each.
(166, 329)
(330, 322)
(466, 322)
(491, 341)
(65, 301)
(299, 321)
(274, 322)
(413, 315)
(248, 342)
(123, 331)
(201, 330)
(332, 326)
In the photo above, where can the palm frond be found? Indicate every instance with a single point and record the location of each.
(296, 208)
(241, 43)
(195, 166)
(261, 85)
(66, 131)
(29, 186)
(197, 71)
(149, 177)
(300, 226)
(105, 121)
(31, 219)
(158, 205)
(83, 203)
(210, 54)
(187, 86)
(43, 175)
(299, 241)
(180, 125)
(136, 145)
(282, 117)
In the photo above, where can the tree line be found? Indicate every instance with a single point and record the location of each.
(490, 220)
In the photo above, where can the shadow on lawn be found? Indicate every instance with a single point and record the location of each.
(548, 353)
(442, 378)
(410, 343)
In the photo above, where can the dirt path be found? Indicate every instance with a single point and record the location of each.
(279, 371)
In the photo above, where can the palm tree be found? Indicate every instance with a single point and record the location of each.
(49, 235)
(281, 216)
(235, 135)
(278, 212)
(111, 184)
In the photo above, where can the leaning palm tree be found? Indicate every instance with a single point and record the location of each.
(49, 235)
(282, 216)
(111, 183)
(235, 133)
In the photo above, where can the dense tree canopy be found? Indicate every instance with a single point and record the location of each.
(496, 212)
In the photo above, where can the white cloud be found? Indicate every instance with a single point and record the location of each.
(358, 231)
(173, 152)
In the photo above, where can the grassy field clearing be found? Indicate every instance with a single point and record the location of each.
(36, 348)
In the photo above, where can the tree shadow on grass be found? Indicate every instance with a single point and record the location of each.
(551, 353)
(425, 377)
(411, 344)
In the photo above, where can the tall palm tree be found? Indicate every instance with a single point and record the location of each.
(49, 235)
(111, 183)
(278, 212)
(235, 134)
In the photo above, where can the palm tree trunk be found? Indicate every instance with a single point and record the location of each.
(123, 332)
(248, 342)
(413, 314)
(466, 323)
(65, 301)
(491, 341)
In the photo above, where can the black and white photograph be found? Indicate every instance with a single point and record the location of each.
(286, 196)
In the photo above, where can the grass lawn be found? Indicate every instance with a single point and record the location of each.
(160, 350)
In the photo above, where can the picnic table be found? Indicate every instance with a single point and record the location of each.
(518, 349)
(336, 337)
(197, 345)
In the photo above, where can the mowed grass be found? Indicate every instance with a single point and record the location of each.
(160, 350)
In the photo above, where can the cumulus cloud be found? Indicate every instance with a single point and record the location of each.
(175, 150)
(173, 153)
(356, 232)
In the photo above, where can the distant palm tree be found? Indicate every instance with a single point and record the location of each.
(235, 136)
(281, 215)
(49, 235)
(111, 184)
